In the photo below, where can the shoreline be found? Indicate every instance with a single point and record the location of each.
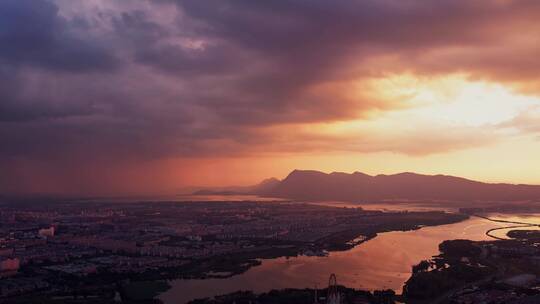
(371, 237)
(518, 225)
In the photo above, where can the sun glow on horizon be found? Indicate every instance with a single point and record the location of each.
(450, 101)
(147, 96)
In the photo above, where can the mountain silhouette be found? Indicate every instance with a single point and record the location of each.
(315, 185)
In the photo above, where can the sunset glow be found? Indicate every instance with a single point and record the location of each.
(269, 151)
(142, 97)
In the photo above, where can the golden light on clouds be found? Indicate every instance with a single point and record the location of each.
(121, 96)
(451, 101)
(449, 124)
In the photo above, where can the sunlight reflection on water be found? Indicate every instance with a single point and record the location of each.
(382, 262)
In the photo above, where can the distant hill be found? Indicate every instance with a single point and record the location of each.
(261, 188)
(315, 185)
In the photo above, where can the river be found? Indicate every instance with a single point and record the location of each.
(382, 262)
(528, 218)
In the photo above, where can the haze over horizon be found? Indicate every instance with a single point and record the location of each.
(111, 97)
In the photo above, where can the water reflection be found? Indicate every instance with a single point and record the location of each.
(388, 207)
(532, 218)
(383, 262)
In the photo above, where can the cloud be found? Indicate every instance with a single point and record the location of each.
(155, 79)
(526, 122)
(34, 34)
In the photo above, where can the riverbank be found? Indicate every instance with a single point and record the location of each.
(515, 224)
(501, 271)
(302, 296)
(229, 265)
(383, 262)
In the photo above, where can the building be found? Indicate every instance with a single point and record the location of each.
(6, 252)
(9, 264)
(46, 232)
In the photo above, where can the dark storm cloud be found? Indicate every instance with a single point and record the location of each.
(319, 37)
(23, 101)
(34, 36)
(180, 61)
(289, 47)
(151, 79)
(32, 33)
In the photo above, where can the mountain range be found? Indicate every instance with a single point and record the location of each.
(357, 186)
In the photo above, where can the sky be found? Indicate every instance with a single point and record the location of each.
(114, 97)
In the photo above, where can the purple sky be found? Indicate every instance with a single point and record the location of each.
(103, 96)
